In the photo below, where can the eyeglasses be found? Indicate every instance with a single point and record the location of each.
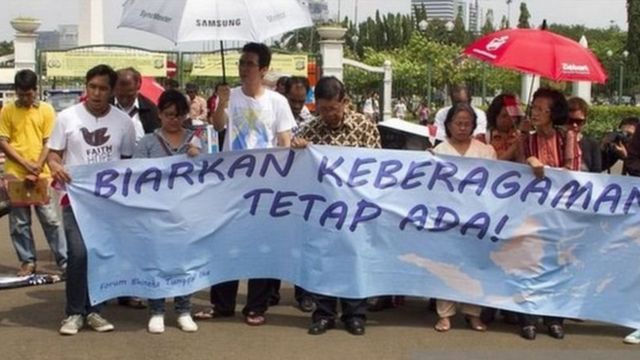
(579, 121)
(540, 110)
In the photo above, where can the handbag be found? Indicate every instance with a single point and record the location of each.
(5, 204)
(23, 193)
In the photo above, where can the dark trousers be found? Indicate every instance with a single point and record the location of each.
(327, 308)
(76, 285)
(532, 320)
(223, 297)
(299, 293)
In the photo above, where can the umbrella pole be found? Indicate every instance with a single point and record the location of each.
(224, 70)
(528, 111)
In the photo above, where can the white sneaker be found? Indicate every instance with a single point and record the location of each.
(156, 324)
(633, 338)
(186, 323)
(71, 325)
(98, 323)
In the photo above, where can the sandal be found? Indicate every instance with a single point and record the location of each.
(475, 323)
(26, 269)
(209, 314)
(254, 319)
(443, 324)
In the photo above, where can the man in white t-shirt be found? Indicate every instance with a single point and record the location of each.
(90, 132)
(256, 118)
(459, 93)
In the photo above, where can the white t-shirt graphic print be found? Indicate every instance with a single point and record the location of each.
(86, 139)
(255, 122)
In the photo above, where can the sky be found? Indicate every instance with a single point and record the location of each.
(584, 12)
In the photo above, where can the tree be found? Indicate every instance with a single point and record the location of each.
(633, 33)
(6, 48)
(504, 23)
(488, 27)
(459, 34)
(523, 20)
(420, 13)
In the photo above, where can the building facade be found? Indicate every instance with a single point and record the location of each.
(65, 37)
(319, 9)
(448, 10)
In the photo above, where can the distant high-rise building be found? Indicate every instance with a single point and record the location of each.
(319, 9)
(445, 10)
(48, 40)
(68, 36)
(475, 18)
(65, 37)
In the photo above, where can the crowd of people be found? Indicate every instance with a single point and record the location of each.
(116, 122)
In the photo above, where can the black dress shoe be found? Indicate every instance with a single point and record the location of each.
(321, 326)
(556, 331)
(307, 304)
(355, 326)
(528, 332)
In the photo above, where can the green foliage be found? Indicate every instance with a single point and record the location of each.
(523, 20)
(633, 19)
(459, 34)
(488, 27)
(600, 42)
(603, 119)
(6, 48)
(504, 23)
(412, 64)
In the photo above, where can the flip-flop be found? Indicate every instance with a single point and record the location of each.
(253, 319)
(207, 314)
(442, 328)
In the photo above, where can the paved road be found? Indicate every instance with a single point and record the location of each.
(29, 319)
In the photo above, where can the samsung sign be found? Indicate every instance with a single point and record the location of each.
(217, 23)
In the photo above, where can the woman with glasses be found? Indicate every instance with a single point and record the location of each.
(591, 160)
(549, 145)
(170, 139)
(459, 124)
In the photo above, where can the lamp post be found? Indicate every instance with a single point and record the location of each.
(625, 54)
(299, 46)
(610, 87)
(424, 25)
(354, 41)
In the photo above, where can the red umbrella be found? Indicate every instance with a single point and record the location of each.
(538, 52)
(151, 89)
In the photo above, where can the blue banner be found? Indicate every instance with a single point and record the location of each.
(359, 222)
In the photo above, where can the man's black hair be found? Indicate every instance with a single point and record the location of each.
(329, 88)
(191, 87)
(297, 80)
(25, 80)
(631, 120)
(260, 49)
(103, 70)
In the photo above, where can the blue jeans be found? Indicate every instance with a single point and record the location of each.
(22, 236)
(77, 289)
(182, 305)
